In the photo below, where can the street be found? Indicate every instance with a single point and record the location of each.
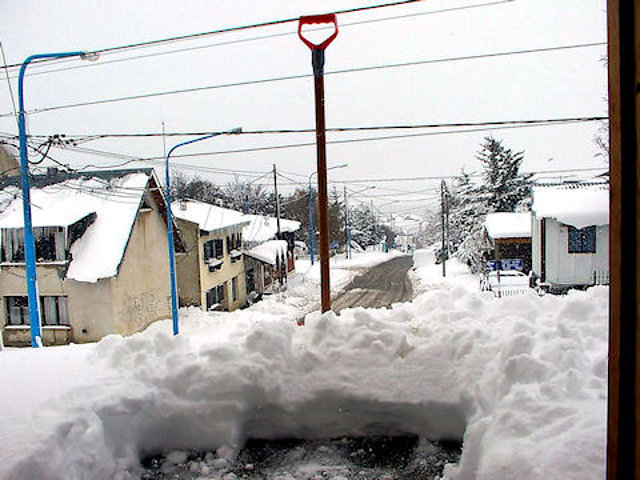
(380, 286)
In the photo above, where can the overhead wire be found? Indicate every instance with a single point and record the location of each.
(270, 23)
(257, 38)
(83, 138)
(307, 75)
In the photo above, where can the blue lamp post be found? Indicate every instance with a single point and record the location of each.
(29, 243)
(172, 253)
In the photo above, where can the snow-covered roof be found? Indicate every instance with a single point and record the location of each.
(578, 205)
(263, 228)
(208, 217)
(269, 251)
(115, 201)
(508, 225)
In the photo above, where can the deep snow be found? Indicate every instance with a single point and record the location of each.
(521, 380)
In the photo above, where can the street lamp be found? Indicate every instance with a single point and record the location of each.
(346, 218)
(29, 243)
(311, 229)
(172, 253)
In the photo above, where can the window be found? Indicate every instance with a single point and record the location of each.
(234, 289)
(49, 243)
(214, 248)
(582, 240)
(215, 297)
(219, 248)
(53, 310)
(251, 280)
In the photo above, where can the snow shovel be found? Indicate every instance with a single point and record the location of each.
(317, 60)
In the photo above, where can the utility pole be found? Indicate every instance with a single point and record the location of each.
(275, 187)
(444, 239)
(346, 225)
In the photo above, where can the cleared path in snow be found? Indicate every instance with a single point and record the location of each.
(378, 287)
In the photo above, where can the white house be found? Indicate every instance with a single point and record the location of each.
(570, 235)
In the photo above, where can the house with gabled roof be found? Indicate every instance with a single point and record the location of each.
(211, 273)
(570, 235)
(101, 255)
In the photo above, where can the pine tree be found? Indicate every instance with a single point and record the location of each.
(503, 187)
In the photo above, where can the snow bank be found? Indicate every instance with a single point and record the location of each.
(577, 205)
(521, 380)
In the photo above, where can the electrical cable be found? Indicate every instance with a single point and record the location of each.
(307, 75)
(246, 40)
(151, 43)
(83, 138)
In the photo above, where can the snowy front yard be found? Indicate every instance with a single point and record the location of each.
(521, 380)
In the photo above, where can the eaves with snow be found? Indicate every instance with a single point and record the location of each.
(112, 199)
(262, 228)
(210, 218)
(578, 205)
(269, 251)
(508, 225)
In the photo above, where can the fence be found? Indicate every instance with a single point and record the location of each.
(601, 277)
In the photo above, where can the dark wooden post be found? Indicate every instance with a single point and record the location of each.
(623, 447)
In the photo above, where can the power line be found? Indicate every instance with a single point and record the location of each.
(483, 126)
(365, 139)
(306, 75)
(262, 37)
(99, 136)
(163, 41)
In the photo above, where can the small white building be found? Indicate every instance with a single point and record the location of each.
(570, 235)
(509, 236)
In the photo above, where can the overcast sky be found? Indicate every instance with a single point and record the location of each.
(542, 85)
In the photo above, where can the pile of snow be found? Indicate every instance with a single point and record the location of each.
(508, 225)
(521, 380)
(115, 202)
(577, 205)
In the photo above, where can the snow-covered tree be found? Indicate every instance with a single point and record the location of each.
(503, 187)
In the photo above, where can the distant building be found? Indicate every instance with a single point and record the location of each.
(211, 274)
(102, 255)
(570, 235)
(509, 237)
(269, 260)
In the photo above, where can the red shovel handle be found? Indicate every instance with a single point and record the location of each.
(318, 19)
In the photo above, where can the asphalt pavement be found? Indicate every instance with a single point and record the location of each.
(378, 287)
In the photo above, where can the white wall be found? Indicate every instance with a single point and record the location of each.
(573, 268)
